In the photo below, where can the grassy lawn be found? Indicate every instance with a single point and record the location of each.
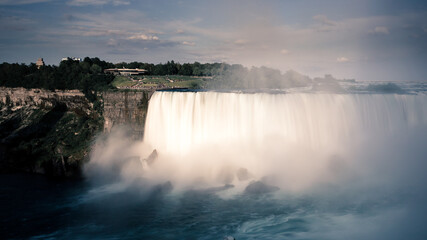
(194, 83)
(121, 81)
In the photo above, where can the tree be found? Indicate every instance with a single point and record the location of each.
(186, 70)
(95, 69)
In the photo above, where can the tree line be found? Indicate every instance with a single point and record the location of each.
(174, 68)
(88, 75)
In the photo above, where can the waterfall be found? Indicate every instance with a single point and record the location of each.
(179, 121)
(299, 136)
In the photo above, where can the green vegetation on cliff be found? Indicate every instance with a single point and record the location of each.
(52, 138)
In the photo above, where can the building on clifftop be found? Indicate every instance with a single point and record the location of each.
(71, 58)
(125, 71)
(39, 63)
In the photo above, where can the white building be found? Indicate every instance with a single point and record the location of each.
(71, 58)
(125, 71)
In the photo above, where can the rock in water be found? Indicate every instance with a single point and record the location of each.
(162, 189)
(229, 238)
(259, 187)
(152, 158)
(218, 189)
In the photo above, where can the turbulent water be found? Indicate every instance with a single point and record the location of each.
(347, 166)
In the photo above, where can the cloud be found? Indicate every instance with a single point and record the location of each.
(115, 27)
(21, 2)
(112, 42)
(284, 51)
(15, 23)
(240, 42)
(250, 36)
(381, 30)
(97, 2)
(324, 24)
(342, 59)
(98, 33)
(143, 37)
(188, 43)
(114, 37)
(324, 20)
(104, 24)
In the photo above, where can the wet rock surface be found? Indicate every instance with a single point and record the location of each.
(151, 159)
(126, 108)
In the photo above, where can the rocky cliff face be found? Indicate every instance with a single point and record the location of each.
(127, 109)
(45, 132)
(51, 132)
(20, 97)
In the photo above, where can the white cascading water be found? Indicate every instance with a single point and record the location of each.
(296, 139)
(179, 121)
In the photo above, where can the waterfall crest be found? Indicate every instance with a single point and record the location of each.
(179, 121)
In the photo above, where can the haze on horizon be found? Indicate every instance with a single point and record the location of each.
(383, 40)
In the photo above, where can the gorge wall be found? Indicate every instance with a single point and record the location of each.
(21, 97)
(126, 109)
(46, 132)
(51, 132)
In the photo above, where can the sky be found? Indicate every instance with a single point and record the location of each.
(382, 40)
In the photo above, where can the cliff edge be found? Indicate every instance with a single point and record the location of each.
(46, 132)
(51, 132)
